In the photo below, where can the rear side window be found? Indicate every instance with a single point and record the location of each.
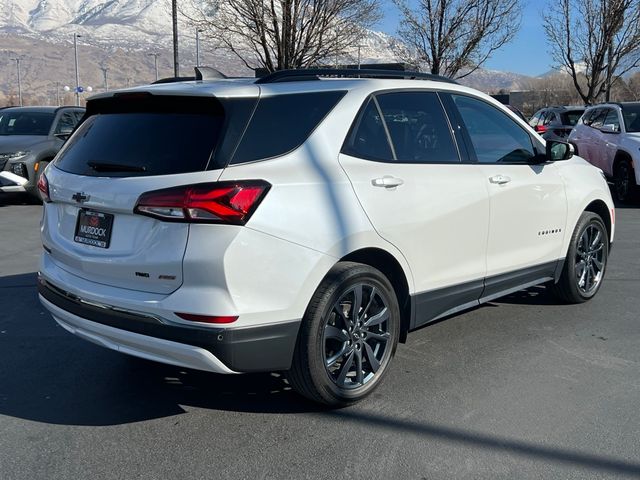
(282, 123)
(147, 137)
(418, 128)
(368, 138)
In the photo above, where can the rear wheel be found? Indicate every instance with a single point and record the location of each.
(348, 336)
(624, 181)
(586, 260)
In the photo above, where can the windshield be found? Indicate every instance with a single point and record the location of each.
(25, 123)
(631, 115)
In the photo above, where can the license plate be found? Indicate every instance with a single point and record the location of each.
(94, 228)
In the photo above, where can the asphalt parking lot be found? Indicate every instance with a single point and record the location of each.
(520, 388)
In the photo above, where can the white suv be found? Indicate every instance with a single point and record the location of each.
(608, 136)
(307, 221)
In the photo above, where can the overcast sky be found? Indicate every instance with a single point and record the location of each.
(527, 53)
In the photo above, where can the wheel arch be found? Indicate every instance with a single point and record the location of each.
(600, 208)
(391, 268)
(622, 155)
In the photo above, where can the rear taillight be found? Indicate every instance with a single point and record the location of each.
(540, 128)
(220, 202)
(43, 187)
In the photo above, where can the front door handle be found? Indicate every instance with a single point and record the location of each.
(387, 182)
(499, 179)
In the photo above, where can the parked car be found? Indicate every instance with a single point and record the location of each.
(608, 136)
(306, 224)
(556, 123)
(29, 139)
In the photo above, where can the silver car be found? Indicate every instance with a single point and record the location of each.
(29, 139)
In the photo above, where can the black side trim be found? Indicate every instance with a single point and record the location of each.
(258, 349)
(429, 306)
(505, 283)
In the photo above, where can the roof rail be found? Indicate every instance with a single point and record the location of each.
(315, 74)
(202, 73)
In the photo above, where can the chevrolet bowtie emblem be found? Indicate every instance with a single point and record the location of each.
(80, 197)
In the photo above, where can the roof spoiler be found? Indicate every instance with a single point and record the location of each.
(201, 73)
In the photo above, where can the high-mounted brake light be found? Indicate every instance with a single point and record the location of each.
(43, 187)
(206, 318)
(220, 202)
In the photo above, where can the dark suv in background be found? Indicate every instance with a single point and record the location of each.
(556, 123)
(29, 139)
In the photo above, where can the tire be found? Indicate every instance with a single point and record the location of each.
(586, 261)
(624, 181)
(334, 344)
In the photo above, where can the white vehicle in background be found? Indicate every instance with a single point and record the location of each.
(307, 221)
(608, 136)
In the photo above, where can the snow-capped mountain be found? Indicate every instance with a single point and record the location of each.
(119, 35)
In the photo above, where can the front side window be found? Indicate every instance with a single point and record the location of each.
(495, 137)
(25, 123)
(612, 120)
(597, 119)
(66, 123)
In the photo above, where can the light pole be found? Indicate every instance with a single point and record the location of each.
(174, 16)
(104, 76)
(58, 93)
(155, 62)
(359, 47)
(198, 30)
(17, 60)
(75, 51)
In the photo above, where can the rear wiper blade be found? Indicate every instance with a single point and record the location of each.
(115, 167)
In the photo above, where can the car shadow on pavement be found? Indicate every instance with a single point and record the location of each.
(48, 375)
(7, 199)
(538, 295)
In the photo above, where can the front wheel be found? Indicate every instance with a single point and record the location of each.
(586, 260)
(348, 336)
(624, 181)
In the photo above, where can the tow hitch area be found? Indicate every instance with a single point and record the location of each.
(10, 182)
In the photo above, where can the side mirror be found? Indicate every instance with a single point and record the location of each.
(610, 128)
(559, 151)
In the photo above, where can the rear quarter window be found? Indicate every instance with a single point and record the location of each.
(281, 123)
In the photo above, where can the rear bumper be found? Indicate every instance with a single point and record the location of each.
(220, 350)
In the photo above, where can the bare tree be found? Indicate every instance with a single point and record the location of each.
(282, 34)
(455, 37)
(595, 41)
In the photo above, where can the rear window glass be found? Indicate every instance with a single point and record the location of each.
(282, 123)
(126, 141)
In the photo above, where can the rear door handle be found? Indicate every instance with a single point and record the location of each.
(387, 182)
(500, 179)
